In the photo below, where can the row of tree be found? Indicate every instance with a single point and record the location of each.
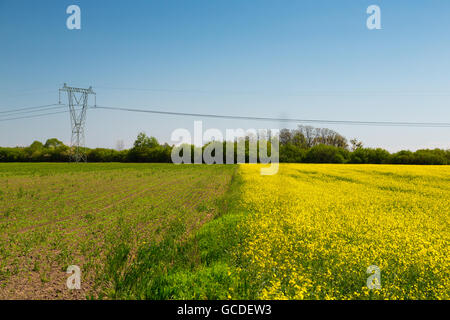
(304, 144)
(321, 145)
(330, 154)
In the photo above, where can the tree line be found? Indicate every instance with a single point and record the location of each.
(305, 144)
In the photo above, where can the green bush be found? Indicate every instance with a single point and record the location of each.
(327, 154)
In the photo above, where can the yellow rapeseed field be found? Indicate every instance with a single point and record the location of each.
(314, 229)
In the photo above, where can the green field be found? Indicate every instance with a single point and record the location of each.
(56, 215)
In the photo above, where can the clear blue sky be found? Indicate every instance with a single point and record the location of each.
(302, 59)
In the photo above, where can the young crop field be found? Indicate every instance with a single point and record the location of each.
(164, 231)
(56, 215)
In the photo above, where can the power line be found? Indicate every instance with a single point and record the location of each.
(34, 116)
(14, 112)
(231, 117)
(30, 108)
(32, 111)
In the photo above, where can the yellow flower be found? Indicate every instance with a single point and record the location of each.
(314, 229)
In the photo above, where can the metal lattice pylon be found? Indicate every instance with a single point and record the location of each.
(78, 104)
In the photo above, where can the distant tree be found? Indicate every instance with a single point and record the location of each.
(298, 139)
(360, 155)
(326, 154)
(105, 155)
(147, 149)
(329, 138)
(402, 157)
(53, 143)
(309, 134)
(426, 156)
(356, 144)
(285, 136)
(36, 145)
(367, 155)
(292, 154)
(315, 136)
(142, 141)
(378, 156)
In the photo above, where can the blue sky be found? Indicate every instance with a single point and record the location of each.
(299, 59)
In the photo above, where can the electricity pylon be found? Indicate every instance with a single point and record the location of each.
(77, 119)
